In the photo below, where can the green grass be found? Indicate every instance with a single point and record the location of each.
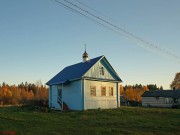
(122, 121)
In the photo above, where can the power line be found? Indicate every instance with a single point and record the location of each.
(126, 32)
(82, 14)
(99, 13)
(105, 23)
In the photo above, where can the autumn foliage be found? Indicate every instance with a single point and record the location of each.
(24, 93)
(134, 93)
(37, 94)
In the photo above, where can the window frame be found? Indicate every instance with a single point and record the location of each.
(93, 91)
(168, 100)
(101, 70)
(111, 91)
(103, 91)
(157, 98)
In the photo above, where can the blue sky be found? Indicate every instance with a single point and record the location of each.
(39, 38)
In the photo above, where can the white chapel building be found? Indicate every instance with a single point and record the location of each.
(90, 84)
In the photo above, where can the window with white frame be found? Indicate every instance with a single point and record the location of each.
(93, 90)
(168, 100)
(103, 91)
(110, 91)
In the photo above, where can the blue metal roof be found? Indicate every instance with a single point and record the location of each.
(75, 71)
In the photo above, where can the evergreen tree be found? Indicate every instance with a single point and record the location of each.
(176, 82)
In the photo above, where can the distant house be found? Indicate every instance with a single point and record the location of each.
(89, 84)
(161, 98)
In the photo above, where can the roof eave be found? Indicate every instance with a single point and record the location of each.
(62, 82)
(100, 79)
(113, 69)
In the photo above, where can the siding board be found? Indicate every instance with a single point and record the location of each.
(94, 102)
(94, 72)
(151, 101)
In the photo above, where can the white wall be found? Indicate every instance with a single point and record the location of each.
(98, 101)
(72, 95)
(152, 102)
(94, 72)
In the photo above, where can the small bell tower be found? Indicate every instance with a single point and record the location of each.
(85, 55)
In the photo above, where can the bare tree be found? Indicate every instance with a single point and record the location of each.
(38, 83)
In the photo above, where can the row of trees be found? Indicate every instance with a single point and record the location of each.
(23, 93)
(27, 92)
(134, 93)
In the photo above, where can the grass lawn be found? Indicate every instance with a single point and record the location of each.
(122, 121)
